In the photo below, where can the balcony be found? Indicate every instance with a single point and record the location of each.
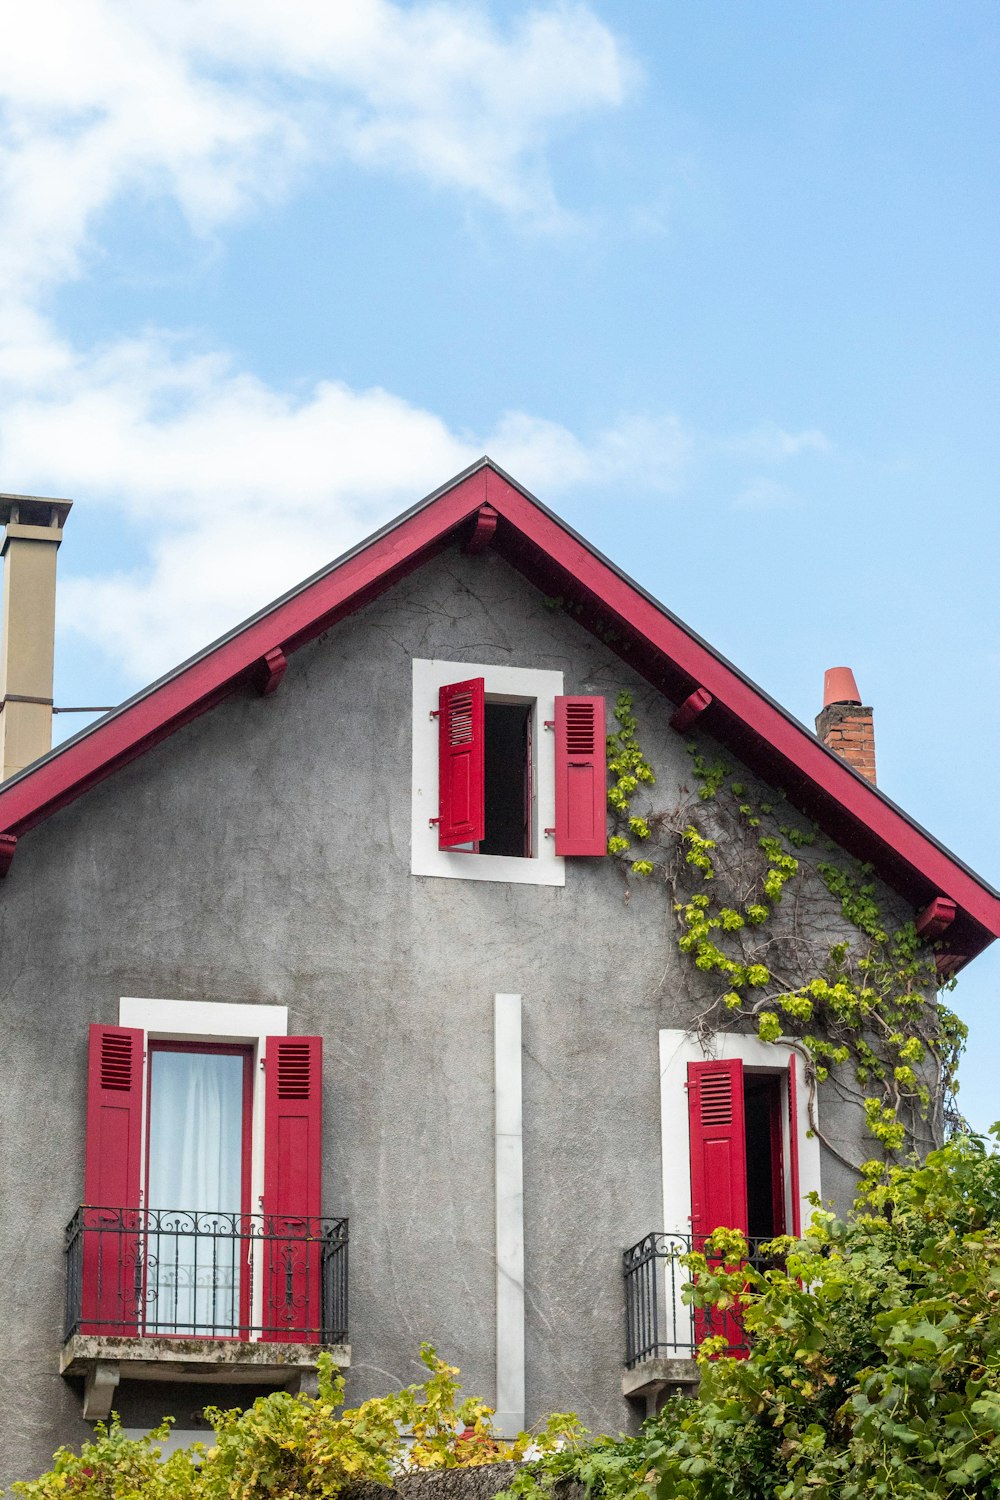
(186, 1295)
(662, 1333)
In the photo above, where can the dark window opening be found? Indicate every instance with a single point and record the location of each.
(508, 780)
(765, 1177)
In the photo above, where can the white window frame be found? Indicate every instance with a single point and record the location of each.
(212, 1021)
(677, 1049)
(506, 684)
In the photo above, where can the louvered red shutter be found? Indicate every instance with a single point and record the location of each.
(581, 777)
(112, 1271)
(293, 1124)
(793, 1147)
(718, 1170)
(718, 1147)
(461, 763)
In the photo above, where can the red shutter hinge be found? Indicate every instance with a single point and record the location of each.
(550, 723)
(549, 832)
(433, 822)
(435, 713)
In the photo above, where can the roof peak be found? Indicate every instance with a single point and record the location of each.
(646, 635)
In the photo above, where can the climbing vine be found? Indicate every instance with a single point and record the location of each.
(754, 919)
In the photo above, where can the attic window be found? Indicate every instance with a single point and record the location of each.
(481, 805)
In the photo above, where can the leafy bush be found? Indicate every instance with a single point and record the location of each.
(603, 1467)
(289, 1447)
(874, 1369)
(875, 1360)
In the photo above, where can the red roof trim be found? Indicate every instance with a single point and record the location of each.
(786, 738)
(68, 771)
(740, 712)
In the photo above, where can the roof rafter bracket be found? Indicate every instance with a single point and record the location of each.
(483, 527)
(948, 964)
(269, 671)
(696, 703)
(936, 918)
(8, 843)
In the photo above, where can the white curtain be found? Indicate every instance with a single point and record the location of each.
(195, 1168)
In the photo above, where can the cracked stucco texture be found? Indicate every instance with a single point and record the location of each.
(261, 855)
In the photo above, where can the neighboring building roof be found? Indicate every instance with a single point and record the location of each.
(631, 622)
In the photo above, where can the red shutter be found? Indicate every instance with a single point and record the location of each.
(718, 1147)
(793, 1148)
(462, 763)
(293, 1123)
(112, 1273)
(718, 1169)
(581, 777)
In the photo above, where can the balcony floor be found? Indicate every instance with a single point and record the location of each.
(653, 1380)
(105, 1359)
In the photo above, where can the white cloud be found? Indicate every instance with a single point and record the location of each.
(217, 105)
(234, 490)
(653, 449)
(771, 443)
(239, 490)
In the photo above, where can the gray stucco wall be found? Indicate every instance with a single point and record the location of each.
(261, 855)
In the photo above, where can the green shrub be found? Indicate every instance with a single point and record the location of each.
(289, 1447)
(874, 1368)
(875, 1360)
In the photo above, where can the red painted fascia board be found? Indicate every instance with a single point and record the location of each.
(345, 586)
(786, 740)
(196, 687)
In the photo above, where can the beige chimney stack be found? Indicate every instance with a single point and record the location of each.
(845, 725)
(27, 643)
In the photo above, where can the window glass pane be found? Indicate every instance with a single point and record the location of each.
(193, 1192)
(195, 1131)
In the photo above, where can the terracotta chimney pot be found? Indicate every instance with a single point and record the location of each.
(839, 686)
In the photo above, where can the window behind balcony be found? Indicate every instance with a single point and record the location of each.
(198, 1188)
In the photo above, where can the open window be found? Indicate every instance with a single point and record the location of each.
(486, 773)
(485, 780)
(738, 1149)
(507, 791)
(743, 1136)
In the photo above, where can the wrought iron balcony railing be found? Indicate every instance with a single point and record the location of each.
(658, 1323)
(199, 1275)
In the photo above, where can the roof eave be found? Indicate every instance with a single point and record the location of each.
(652, 639)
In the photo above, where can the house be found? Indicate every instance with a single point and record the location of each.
(315, 945)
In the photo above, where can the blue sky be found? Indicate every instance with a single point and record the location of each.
(717, 282)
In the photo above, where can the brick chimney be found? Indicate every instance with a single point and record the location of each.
(27, 635)
(844, 725)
